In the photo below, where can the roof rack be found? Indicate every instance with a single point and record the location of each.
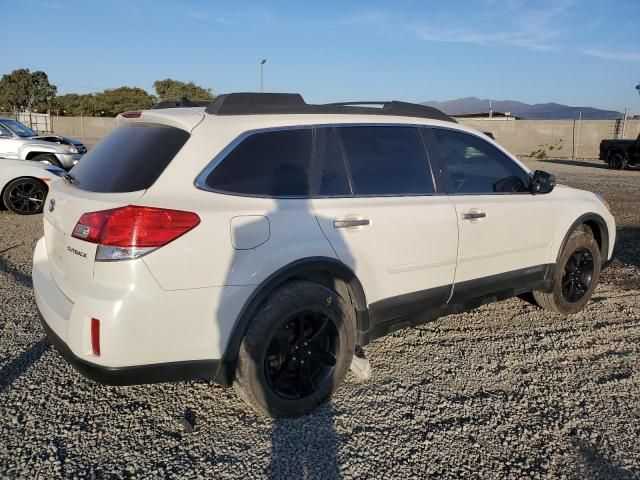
(182, 103)
(293, 103)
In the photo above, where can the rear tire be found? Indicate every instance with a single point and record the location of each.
(296, 350)
(617, 161)
(25, 196)
(47, 158)
(575, 277)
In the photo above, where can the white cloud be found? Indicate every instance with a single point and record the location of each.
(512, 23)
(611, 55)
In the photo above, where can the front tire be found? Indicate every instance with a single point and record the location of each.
(296, 351)
(576, 275)
(25, 196)
(47, 158)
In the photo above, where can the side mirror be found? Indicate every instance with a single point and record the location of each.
(542, 182)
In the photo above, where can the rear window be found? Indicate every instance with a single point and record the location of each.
(274, 163)
(130, 158)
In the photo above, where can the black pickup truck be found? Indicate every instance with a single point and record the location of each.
(620, 153)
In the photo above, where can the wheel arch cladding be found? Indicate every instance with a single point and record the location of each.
(325, 271)
(599, 229)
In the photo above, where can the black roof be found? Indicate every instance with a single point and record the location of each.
(274, 103)
(292, 103)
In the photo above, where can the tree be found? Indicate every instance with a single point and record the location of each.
(169, 89)
(74, 104)
(114, 101)
(24, 90)
(108, 103)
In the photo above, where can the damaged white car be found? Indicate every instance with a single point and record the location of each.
(19, 142)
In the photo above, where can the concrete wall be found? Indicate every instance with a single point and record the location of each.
(554, 137)
(88, 129)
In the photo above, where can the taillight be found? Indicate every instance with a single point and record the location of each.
(132, 231)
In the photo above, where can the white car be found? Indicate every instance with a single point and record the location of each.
(24, 185)
(260, 240)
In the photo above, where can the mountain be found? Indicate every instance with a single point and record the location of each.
(539, 111)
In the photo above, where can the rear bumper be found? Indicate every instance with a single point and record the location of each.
(135, 375)
(147, 335)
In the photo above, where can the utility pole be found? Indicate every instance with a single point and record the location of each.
(264, 60)
(490, 109)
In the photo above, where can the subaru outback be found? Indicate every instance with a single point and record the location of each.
(260, 241)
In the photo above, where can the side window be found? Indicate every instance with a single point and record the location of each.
(274, 163)
(386, 160)
(474, 166)
(4, 132)
(331, 172)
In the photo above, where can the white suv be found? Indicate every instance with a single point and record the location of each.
(260, 240)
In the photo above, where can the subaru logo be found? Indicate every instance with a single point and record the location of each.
(52, 205)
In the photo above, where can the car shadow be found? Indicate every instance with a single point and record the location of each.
(18, 366)
(11, 270)
(627, 246)
(18, 276)
(597, 465)
(304, 447)
(577, 163)
(583, 163)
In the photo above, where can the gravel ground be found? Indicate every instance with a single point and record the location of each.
(506, 391)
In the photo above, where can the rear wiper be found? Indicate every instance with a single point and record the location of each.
(70, 178)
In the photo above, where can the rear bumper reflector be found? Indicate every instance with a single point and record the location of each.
(95, 336)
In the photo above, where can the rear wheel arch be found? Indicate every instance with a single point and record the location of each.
(324, 271)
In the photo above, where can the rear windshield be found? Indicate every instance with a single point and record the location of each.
(129, 158)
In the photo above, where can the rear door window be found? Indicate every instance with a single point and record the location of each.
(386, 160)
(129, 159)
(274, 163)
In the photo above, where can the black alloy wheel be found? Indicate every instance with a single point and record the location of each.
(578, 274)
(296, 350)
(301, 354)
(25, 196)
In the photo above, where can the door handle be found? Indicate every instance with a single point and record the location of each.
(360, 222)
(473, 215)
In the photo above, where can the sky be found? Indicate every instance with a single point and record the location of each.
(575, 52)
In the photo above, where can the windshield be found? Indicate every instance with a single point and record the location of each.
(19, 129)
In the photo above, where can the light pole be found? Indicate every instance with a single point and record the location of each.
(264, 60)
(638, 88)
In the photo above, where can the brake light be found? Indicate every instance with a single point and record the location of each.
(131, 114)
(132, 231)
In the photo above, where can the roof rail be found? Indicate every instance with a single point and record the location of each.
(292, 103)
(184, 102)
